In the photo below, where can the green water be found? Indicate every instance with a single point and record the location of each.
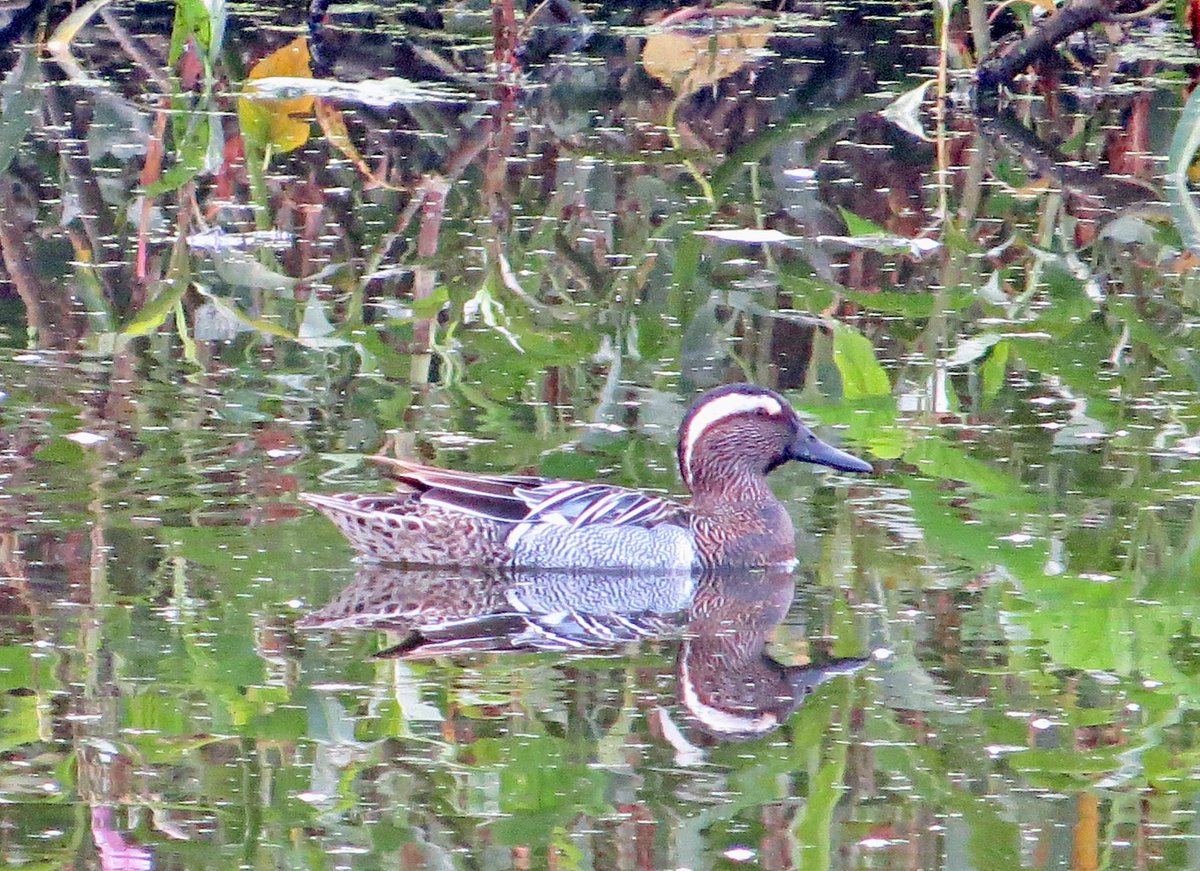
(516, 278)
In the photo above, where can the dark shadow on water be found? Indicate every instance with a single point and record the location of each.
(721, 619)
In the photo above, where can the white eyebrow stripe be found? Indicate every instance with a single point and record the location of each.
(718, 409)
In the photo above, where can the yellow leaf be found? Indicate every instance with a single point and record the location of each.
(686, 60)
(283, 124)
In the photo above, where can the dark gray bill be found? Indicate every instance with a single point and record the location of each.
(805, 680)
(810, 449)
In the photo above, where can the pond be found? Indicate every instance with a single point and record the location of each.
(243, 251)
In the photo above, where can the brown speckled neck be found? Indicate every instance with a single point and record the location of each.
(729, 483)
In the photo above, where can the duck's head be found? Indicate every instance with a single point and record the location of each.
(741, 428)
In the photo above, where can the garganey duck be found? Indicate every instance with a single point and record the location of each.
(730, 439)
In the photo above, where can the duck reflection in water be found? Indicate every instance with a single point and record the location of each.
(725, 681)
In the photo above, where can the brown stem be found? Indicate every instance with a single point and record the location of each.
(1003, 66)
(504, 34)
(69, 137)
(151, 171)
(433, 211)
(1006, 131)
(136, 52)
(48, 309)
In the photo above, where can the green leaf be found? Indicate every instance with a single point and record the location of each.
(381, 355)
(155, 312)
(811, 294)
(429, 306)
(191, 22)
(189, 166)
(993, 369)
(19, 722)
(60, 450)
(913, 305)
(816, 823)
(854, 356)
(191, 150)
(189, 344)
(859, 226)
(946, 461)
(16, 668)
(1071, 762)
(687, 262)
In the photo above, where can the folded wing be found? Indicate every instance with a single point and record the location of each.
(525, 498)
